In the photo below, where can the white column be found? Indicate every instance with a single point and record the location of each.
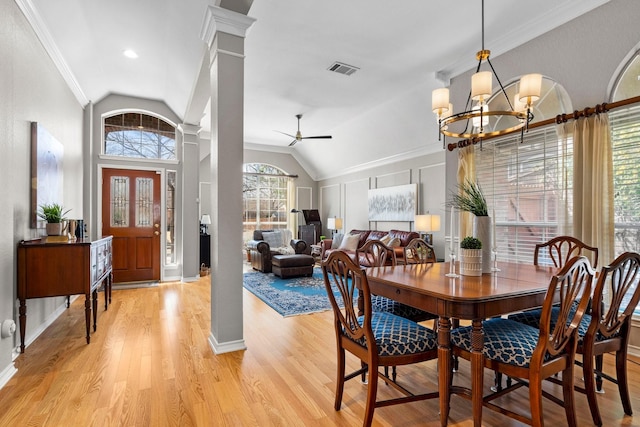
(190, 185)
(224, 32)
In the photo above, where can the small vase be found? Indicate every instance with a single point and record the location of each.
(471, 262)
(54, 229)
(482, 230)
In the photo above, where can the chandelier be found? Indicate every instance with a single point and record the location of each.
(477, 121)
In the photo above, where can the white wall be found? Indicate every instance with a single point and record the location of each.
(31, 89)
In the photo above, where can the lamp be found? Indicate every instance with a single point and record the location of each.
(425, 224)
(334, 224)
(205, 220)
(511, 120)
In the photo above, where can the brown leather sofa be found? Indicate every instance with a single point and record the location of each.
(261, 253)
(365, 235)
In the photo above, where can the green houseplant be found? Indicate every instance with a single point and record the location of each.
(54, 215)
(471, 256)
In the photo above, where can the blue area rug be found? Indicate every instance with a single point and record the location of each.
(290, 297)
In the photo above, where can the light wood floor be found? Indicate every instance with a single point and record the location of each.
(149, 364)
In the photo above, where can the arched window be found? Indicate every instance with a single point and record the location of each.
(625, 140)
(266, 191)
(139, 136)
(523, 180)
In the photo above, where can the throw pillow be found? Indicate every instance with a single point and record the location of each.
(336, 240)
(350, 242)
(273, 238)
(385, 239)
(394, 243)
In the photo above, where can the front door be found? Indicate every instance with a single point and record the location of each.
(131, 214)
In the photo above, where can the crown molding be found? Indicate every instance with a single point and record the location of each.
(43, 34)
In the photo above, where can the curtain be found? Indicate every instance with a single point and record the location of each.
(466, 172)
(565, 178)
(593, 217)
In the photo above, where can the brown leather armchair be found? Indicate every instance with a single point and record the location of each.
(261, 253)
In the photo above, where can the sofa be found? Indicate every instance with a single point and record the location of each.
(403, 239)
(267, 243)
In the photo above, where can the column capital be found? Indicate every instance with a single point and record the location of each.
(188, 129)
(225, 21)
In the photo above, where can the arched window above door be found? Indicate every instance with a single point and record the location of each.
(139, 136)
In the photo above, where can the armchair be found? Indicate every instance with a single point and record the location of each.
(267, 243)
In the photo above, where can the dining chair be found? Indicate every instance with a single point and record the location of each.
(560, 249)
(374, 253)
(378, 339)
(529, 355)
(418, 251)
(607, 329)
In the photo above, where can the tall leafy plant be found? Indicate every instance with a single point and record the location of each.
(469, 198)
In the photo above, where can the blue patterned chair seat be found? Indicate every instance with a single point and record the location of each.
(387, 305)
(532, 318)
(396, 336)
(505, 340)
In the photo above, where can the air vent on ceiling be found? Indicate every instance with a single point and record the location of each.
(341, 68)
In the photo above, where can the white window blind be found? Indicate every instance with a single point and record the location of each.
(523, 183)
(625, 136)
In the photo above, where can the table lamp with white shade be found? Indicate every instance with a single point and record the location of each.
(334, 224)
(205, 221)
(426, 225)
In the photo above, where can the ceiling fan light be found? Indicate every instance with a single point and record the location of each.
(481, 85)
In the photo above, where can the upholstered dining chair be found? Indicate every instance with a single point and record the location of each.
(531, 355)
(376, 338)
(607, 329)
(419, 252)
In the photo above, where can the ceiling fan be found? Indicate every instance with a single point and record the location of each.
(298, 136)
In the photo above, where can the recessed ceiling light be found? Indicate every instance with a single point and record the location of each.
(129, 53)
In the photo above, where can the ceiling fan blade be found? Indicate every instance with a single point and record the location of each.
(289, 135)
(293, 143)
(317, 137)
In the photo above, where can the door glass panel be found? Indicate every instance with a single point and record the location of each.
(119, 201)
(144, 202)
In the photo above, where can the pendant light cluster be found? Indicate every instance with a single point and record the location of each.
(474, 123)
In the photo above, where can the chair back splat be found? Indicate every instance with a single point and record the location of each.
(377, 339)
(420, 252)
(561, 249)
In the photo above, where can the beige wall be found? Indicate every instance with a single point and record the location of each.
(31, 89)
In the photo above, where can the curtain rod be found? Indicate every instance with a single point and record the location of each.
(560, 118)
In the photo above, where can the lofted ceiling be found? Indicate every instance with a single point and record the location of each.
(380, 112)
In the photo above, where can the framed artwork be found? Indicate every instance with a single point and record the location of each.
(396, 203)
(46, 170)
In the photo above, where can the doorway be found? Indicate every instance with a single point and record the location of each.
(131, 213)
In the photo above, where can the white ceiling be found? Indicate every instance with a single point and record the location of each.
(380, 112)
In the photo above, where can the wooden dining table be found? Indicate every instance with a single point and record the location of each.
(475, 298)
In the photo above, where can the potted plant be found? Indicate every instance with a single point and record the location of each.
(54, 214)
(470, 198)
(471, 256)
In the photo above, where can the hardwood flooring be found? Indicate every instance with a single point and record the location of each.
(149, 364)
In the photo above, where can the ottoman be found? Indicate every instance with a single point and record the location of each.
(292, 265)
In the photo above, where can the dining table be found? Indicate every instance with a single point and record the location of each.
(514, 287)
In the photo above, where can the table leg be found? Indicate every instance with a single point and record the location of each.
(477, 370)
(23, 322)
(110, 280)
(95, 309)
(444, 367)
(87, 315)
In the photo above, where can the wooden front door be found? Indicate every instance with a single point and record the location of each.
(131, 214)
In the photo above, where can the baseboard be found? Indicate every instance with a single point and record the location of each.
(190, 279)
(7, 374)
(134, 285)
(227, 347)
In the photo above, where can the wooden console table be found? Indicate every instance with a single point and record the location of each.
(63, 269)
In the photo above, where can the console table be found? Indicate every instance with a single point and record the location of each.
(63, 269)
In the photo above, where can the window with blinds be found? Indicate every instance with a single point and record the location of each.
(625, 138)
(524, 183)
